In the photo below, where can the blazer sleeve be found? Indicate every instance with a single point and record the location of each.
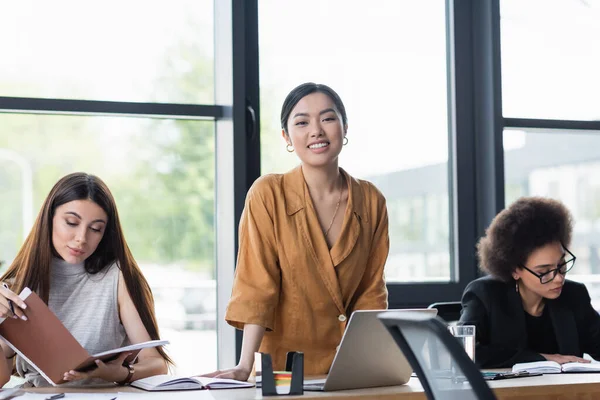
(256, 284)
(589, 325)
(489, 353)
(372, 293)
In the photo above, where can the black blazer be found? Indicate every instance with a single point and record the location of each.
(495, 308)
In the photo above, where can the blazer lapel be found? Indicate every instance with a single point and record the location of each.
(298, 198)
(565, 328)
(563, 322)
(354, 216)
(517, 320)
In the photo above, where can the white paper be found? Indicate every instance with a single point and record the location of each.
(151, 343)
(545, 367)
(6, 394)
(184, 395)
(222, 383)
(170, 382)
(551, 367)
(69, 396)
(580, 367)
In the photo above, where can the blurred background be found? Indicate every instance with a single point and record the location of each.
(388, 59)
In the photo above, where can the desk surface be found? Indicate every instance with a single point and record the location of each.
(555, 386)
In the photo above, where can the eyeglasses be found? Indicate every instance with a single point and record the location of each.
(561, 268)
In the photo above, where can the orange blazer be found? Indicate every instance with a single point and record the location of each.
(288, 280)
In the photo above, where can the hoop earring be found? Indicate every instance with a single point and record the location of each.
(289, 148)
(345, 142)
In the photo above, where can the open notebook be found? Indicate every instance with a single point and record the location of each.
(45, 343)
(169, 382)
(552, 367)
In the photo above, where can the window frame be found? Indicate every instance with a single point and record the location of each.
(476, 154)
(234, 152)
(475, 162)
(476, 182)
(476, 169)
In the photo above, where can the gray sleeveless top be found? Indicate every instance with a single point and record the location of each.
(87, 306)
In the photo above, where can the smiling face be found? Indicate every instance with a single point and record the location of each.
(77, 229)
(316, 130)
(540, 261)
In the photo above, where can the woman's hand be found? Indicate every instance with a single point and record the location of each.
(559, 358)
(113, 371)
(11, 305)
(253, 335)
(239, 373)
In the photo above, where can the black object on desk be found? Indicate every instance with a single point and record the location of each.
(496, 376)
(56, 396)
(294, 363)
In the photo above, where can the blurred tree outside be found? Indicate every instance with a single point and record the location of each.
(160, 171)
(176, 176)
(274, 157)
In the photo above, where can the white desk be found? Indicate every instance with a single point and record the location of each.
(556, 387)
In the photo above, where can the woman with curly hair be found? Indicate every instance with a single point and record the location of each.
(525, 309)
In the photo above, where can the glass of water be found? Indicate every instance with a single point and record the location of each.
(466, 336)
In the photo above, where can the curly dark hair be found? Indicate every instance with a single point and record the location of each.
(527, 224)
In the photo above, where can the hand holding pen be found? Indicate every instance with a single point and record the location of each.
(8, 300)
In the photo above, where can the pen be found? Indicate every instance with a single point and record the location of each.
(56, 396)
(10, 303)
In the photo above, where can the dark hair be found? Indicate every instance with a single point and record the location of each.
(31, 266)
(526, 225)
(299, 92)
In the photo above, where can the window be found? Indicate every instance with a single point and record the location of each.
(127, 51)
(564, 166)
(550, 59)
(550, 95)
(161, 173)
(387, 61)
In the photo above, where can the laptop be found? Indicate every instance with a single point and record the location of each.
(367, 356)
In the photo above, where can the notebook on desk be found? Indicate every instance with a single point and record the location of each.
(48, 346)
(170, 382)
(552, 367)
(367, 356)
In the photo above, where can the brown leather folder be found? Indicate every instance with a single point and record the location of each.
(49, 347)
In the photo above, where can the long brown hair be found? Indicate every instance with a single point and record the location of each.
(31, 266)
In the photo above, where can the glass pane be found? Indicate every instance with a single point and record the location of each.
(132, 50)
(565, 166)
(388, 63)
(444, 374)
(161, 173)
(550, 58)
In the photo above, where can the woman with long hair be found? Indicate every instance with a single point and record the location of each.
(77, 260)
